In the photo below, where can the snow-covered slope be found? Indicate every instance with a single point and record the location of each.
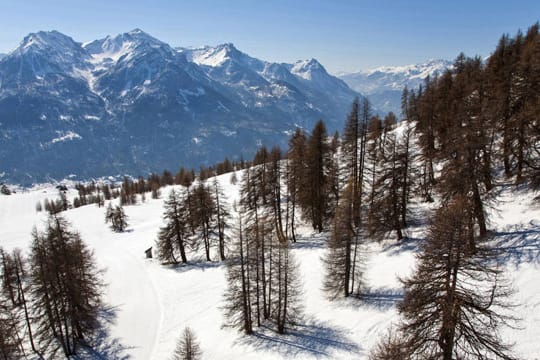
(153, 303)
(383, 85)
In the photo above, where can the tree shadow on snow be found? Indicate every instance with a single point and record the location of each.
(519, 244)
(418, 217)
(104, 346)
(313, 338)
(310, 242)
(200, 265)
(380, 298)
(407, 244)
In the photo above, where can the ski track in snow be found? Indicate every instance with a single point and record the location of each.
(130, 285)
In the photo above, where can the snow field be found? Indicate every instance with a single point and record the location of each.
(153, 303)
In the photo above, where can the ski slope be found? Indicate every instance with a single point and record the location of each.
(150, 304)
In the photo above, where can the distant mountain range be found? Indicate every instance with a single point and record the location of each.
(132, 104)
(383, 86)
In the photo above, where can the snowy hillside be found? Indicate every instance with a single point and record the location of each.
(383, 85)
(150, 304)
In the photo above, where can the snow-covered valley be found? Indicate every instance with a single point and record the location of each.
(149, 304)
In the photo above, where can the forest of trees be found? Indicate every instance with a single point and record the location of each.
(262, 274)
(479, 124)
(462, 134)
(52, 298)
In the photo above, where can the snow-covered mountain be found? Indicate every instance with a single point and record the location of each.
(290, 90)
(133, 104)
(384, 85)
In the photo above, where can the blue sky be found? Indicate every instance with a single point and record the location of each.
(343, 35)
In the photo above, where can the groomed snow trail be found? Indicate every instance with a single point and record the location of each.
(131, 290)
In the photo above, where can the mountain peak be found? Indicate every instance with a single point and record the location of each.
(227, 46)
(46, 40)
(137, 31)
(115, 46)
(214, 56)
(308, 64)
(46, 52)
(307, 68)
(141, 37)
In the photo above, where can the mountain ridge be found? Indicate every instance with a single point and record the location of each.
(383, 85)
(132, 104)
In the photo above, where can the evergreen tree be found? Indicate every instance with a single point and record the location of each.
(314, 194)
(65, 287)
(238, 307)
(222, 216)
(10, 299)
(188, 347)
(234, 179)
(354, 153)
(202, 212)
(455, 302)
(342, 259)
(295, 177)
(14, 285)
(10, 343)
(172, 236)
(262, 275)
(117, 217)
(391, 190)
(4, 189)
(286, 305)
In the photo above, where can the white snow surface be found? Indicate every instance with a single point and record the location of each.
(153, 303)
(67, 136)
(209, 56)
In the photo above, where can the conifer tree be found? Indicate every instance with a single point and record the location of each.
(286, 305)
(222, 216)
(202, 211)
(391, 190)
(172, 236)
(354, 153)
(238, 296)
(262, 276)
(10, 343)
(117, 217)
(296, 160)
(188, 347)
(342, 266)
(10, 323)
(14, 287)
(314, 194)
(65, 287)
(456, 301)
